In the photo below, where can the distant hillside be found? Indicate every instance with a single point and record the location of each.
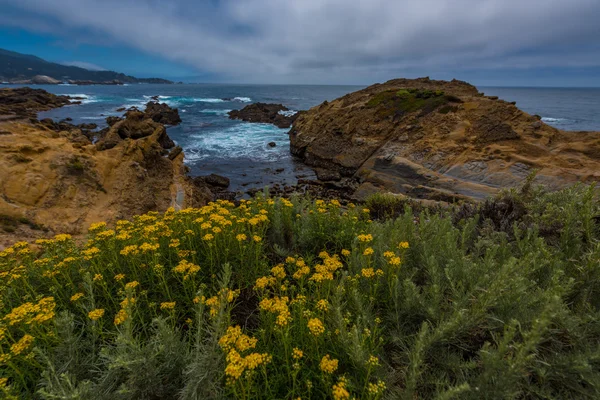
(16, 67)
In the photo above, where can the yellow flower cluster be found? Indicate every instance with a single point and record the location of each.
(365, 238)
(376, 388)
(234, 342)
(328, 365)
(325, 271)
(76, 296)
(31, 314)
(96, 314)
(339, 391)
(316, 327)
(168, 305)
(23, 344)
(187, 269)
(279, 306)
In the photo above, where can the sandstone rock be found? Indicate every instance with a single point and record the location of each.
(438, 140)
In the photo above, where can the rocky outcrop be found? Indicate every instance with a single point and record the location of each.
(54, 180)
(439, 140)
(276, 114)
(26, 102)
(162, 113)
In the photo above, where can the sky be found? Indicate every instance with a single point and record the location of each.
(486, 42)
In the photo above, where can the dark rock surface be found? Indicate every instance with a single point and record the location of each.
(26, 102)
(162, 113)
(264, 113)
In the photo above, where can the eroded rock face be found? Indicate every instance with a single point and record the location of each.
(53, 176)
(439, 140)
(276, 114)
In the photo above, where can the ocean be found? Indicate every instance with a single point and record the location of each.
(215, 144)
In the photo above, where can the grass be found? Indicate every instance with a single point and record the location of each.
(280, 299)
(397, 103)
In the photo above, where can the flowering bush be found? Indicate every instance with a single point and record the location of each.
(288, 299)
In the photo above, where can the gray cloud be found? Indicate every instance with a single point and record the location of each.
(340, 40)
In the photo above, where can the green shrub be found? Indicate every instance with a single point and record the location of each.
(279, 299)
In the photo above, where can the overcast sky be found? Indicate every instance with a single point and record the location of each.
(489, 42)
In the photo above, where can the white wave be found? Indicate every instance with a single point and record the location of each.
(550, 119)
(84, 98)
(243, 141)
(215, 112)
(288, 113)
(205, 100)
(94, 118)
(243, 99)
(65, 84)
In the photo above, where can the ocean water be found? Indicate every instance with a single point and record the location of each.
(215, 144)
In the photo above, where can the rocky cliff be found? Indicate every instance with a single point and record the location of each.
(438, 140)
(59, 181)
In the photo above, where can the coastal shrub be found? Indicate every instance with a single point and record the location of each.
(385, 205)
(397, 103)
(294, 298)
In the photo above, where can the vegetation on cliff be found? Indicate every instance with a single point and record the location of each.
(277, 298)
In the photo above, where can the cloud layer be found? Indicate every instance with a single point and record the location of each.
(335, 40)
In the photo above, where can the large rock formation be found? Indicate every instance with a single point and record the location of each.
(26, 102)
(276, 114)
(439, 140)
(63, 182)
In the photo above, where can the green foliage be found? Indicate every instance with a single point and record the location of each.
(280, 299)
(397, 103)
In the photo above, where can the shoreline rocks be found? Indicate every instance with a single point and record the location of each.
(276, 114)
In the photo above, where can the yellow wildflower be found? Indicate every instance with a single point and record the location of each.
(167, 305)
(120, 317)
(368, 251)
(23, 344)
(132, 285)
(208, 237)
(367, 272)
(328, 365)
(76, 296)
(241, 237)
(403, 245)
(257, 239)
(365, 238)
(297, 353)
(119, 277)
(316, 326)
(96, 314)
(345, 252)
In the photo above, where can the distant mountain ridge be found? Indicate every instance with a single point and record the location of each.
(20, 68)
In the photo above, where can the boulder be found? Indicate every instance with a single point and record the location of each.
(162, 113)
(272, 144)
(276, 114)
(217, 180)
